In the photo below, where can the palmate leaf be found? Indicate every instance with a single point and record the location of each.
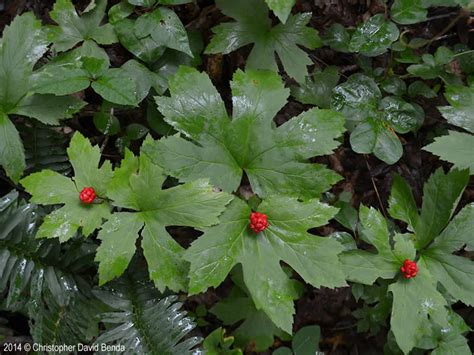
(213, 255)
(143, 320)
(457, 147)
(137, 185)
(51, 188)
(253, 26)
(73, 29)
(42, 278)
(274, 159)
(417, 304)
(23, 44)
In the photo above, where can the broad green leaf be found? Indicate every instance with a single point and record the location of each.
(454, 272)
(137, 185)
(146, 48)
(118, 236)
(49, 109)
(441, 194)
(212, 256)
(12, 155)
(116, 86)
(50, 188)
(281, 8)
(23, 43)
(461, 111)
(363, 266)
(85, 160)
(60, 80)
(165, 28)
(458, 232)
(306, 340)
(415, 303)
(407, 12)
(404, 247)
(274, 161)
(64, 188)
(402, 204)
(374, 229)
(394, 85)
(373, 136)
(402, 116)
(317, 90)
(421, 88)
(374, 36)
(120, 11)
(357, 98)
(73, 29)
(144, 78)
(164, 256)
(256, 327)
(338, 38)
(456, 148)
(253, 26)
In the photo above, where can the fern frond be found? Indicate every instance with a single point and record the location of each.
(45, 148)
(42, 277)
(145, 322)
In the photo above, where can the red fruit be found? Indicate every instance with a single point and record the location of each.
(409, 269)
(258, 221)
(87, 195)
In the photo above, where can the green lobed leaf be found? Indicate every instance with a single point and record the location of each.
(402, 205)
(116, 86)
(363, 266)
(64, 222)
(461, 111)
(73, 29)
(415, 303)
(49, 109)
(137, 185)
(441, 194)
(212, 257)
(118, 236)
(274, 162)
(456, 148)
(23, 43)
(253, 26)
(281, 8)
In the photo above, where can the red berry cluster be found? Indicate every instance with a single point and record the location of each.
(87, 195)
(258, 221)
(409, 269)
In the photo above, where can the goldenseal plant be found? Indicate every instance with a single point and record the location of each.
(425, 278)
(145, 209)
(275, 159)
